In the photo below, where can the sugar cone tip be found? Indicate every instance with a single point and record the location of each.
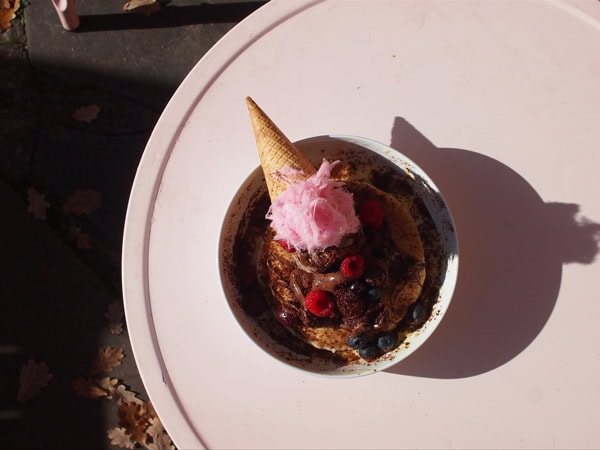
(276, 151)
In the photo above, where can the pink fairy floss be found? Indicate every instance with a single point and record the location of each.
(315, 213)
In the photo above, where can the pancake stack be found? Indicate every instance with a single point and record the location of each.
(349, 296)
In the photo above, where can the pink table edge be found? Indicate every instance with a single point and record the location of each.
(137, 228)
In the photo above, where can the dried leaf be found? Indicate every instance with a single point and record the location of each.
(160, 438)
(122, 395)
(82, 202)
(155, 428)
(120, 438)
(115, 328)
(37, 203)
(134, 418)
(115, 317)
(161, 442)
(108, 384)
(82, 240)
(86, 114)
(107, 359)
(151, 410)
(8, 9)
(94, 389)
(145, 7)
(87, 388)
(34, 377)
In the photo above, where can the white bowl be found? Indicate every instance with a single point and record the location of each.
(370, 157)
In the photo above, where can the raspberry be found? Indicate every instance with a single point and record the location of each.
(319, 303)
(352, 266)
(287, 247)
(370, 214)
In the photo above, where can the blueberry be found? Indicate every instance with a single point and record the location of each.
(357, 342)
(418, 313)
(373, 294)
(370, 352)
(387, 342)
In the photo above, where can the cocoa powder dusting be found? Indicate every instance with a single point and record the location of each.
(283, 324)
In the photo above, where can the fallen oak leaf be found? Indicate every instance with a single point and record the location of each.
(92, 388)
(119, 437)
(87, 388)
(86, 114)
(82, 202)
(160, 438)
(145, 7)
(155, 428)
(115, 328)
(8, 11)
(34, 376)
(151, 410)
(106, 360)
(37, 204)
(108, 384)
(121, 395)
(115, 316)
(161, 442)
(82, 240)
(134, 418)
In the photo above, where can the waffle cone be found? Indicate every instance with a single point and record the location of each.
(276, 152)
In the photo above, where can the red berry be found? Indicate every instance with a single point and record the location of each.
(319, 302)
(370, 213)
(352, 266)
(287, 247)
(285, 317)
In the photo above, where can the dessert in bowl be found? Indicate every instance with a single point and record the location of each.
(338, 255)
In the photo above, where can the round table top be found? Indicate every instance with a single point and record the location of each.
(499, 102)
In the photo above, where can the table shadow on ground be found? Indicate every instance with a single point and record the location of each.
(512, 247)
(170, 16)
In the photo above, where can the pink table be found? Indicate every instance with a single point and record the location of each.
(500, 103)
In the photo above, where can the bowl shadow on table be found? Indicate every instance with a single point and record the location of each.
(512, 246)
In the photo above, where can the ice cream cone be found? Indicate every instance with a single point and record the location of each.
(276, 152)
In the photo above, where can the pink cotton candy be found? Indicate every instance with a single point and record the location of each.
(315, 213)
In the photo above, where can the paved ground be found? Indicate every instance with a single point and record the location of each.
(76, 109)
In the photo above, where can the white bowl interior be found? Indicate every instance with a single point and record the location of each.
(369, 156)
